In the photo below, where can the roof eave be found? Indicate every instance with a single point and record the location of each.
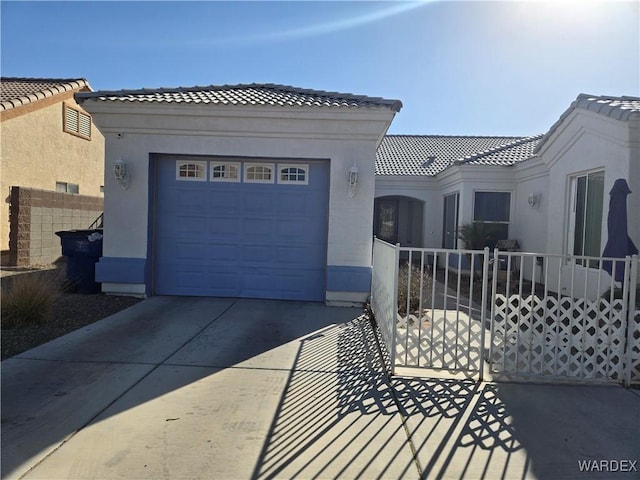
(68, 86)
(117, 95)
(585, 101)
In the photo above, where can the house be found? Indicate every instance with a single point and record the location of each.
(253, 190)
(549, 192)
(49, 144)
(271, 191)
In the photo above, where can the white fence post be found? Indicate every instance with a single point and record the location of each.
(483, 307)
(632, 279)
(492, 319)
(394, 318)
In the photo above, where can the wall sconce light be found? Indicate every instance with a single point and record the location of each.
(533, 199)
(353, 179)
(121, 174)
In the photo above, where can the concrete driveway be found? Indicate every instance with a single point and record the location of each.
(238, 389)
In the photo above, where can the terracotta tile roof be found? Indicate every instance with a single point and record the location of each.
(243, 94)
(15, 92)
(620, 108)
(428, 155)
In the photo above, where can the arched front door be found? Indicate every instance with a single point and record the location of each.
(398, 219)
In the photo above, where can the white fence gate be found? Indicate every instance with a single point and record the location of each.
(423, 323)
(528, 315)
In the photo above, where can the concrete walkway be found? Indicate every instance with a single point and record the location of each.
(238, 389)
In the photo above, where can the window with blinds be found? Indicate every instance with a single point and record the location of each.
(493, 210)
(76, 122)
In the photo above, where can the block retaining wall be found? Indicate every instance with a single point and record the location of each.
(35, 216)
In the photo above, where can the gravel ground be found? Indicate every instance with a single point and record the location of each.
(70, 312)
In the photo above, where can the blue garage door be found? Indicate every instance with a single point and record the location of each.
(241, 228)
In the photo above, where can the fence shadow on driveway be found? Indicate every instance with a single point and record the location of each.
(460, 429)
(344, 418)
(337, 422)
(468, 429)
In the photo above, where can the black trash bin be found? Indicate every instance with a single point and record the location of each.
(82, 249)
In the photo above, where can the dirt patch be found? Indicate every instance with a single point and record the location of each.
(70, 312)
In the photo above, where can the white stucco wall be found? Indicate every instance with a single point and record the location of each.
(133, 132)
(588, 141)
(583, 142)
(529, 224)
(465, 180)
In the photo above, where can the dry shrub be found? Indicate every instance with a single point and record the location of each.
(28, 300)
(414, 290)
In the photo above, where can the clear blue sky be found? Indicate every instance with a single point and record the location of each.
(469, 68)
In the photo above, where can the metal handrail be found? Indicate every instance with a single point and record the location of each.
(98, 222)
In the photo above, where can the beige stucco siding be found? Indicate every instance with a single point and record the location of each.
(36, 152)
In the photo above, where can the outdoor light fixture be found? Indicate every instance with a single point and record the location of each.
(120, 173)
(353, 179)
(533, 200)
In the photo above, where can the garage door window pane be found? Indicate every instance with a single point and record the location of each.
(297, 174)
(225, 172)
(259, 173)
(194, 171)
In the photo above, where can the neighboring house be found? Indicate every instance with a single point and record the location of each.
(244, 191)
(549, 192)
(48, 141)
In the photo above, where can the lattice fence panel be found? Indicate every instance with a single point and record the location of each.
(560, 337)
(634, 345)
(449, 340)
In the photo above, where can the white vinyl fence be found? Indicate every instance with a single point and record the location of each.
(528, 315)
(384, 293)
(573, 322)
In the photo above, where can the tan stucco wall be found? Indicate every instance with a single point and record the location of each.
(35, 152)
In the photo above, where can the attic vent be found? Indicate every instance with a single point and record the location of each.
(84, 128)
(428, 162)
(76, 122)
(70, 120)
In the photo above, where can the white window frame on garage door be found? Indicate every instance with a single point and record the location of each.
(200, 170)
(299, 177)
(248, 166)
(226, 169)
